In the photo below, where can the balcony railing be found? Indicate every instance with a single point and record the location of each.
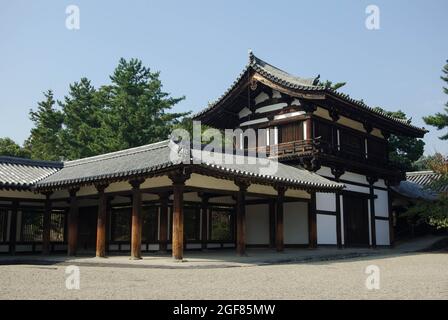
(316, 146)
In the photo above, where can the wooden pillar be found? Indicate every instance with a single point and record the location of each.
(371, 181)
(163, 232)
(309, 127)
(204, 221)
(73, 223)
(272, 224)
(101, 222)
(136, 224)
(13, 228)
(338, 220)
(312, 224)
(279, 233)
(178, 179)
(46, 226)
(391, 218)
(241, 217)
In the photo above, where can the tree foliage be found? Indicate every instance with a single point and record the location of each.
(440, 119)
(9, 148)
(331, 85)
(131, 111)
(403, 151)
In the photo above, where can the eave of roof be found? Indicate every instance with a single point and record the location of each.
(289, 81)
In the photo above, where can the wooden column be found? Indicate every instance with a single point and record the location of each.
(338, 172)
(391, 218)
(204, 222)
(279, 233)
(101, 222)
(163, 232)
(136, 226)
(46, 226)
(73, 223)
(371, 181)
(178, 179)
(241, 217)
(312, 225)
(338, 221)
(13, 228)
(272, 224)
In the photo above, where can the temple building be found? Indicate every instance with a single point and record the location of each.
(331, 185)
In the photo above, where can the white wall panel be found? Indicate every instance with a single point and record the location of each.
(326, 229)
(382, 232)
(381, 203)
(257, 224)
(326, 201)
(295, 221)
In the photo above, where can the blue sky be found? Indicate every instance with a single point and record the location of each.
(201, 46)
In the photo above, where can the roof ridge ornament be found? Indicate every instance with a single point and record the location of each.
(251, 57)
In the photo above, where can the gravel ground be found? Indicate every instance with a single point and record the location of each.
(405, 276)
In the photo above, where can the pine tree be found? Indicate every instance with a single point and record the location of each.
(45, 138)
(9, 148)
(440, 120)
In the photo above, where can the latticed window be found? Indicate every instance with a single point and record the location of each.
(4, 225)
(191, 223)
(291, 132)
(57, 226)
(352, 143)
(32, 225)
(150, 221)
(221, 225)
(324, 131)
(121, 224)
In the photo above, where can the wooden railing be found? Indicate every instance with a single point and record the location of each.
(315, 146)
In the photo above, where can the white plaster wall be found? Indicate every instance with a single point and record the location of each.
(326, 201)
(295, 222)
(326, 229)
(381, 203)
(257, 224)
(382, 232)
(380, 183)
(351, 187)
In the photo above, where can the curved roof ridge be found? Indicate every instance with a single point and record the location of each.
(117, 154)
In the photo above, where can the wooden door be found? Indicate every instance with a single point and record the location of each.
(87, 228)
(356, 221)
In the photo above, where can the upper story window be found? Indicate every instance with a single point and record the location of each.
(351, 143)
(324, 131)
(290, 132)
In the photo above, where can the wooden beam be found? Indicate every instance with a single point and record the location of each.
(241, 217)
(272, 225)
(46, 226)
(279, 232)
(136, 228)
(73, 223)
(312, 225)
(178, 180)
(338, 220)
(204, 221)
(163, 233)
(101, 222)
(13, 228)
(371, 181)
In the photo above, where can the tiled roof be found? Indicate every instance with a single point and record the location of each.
(425, 178)
(18, 173)
(296, 83)
(158, 156)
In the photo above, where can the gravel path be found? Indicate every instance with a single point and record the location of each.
(406, 276)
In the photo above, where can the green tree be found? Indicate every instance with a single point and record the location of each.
(83, 113)
(440, 120)
(403, 151)
(137, 107)
(9, 148)
(44, 141)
